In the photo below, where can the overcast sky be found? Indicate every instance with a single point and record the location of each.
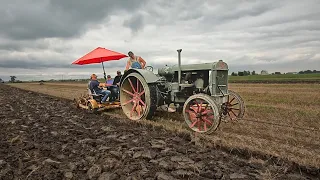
(39, 39)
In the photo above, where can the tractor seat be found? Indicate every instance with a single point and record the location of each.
(93, 93)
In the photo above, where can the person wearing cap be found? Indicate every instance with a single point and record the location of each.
(95, 86)
(109, 81)
(116, 82)
(117, 79)
(135, 62)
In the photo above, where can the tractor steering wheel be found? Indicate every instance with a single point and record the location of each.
(150, 68)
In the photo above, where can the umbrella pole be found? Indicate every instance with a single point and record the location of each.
(104, 72)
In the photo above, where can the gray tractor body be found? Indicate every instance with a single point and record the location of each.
(208, 78)
(176, 83)
(204, 86)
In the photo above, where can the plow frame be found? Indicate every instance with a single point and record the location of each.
(87, 102)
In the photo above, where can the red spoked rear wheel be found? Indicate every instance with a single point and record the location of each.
(234, 108)
(201, 113)
(137, 97)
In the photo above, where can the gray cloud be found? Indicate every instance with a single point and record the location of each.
(35, 63)
(26, 26)
(34, 19)
(232, 10)
(135, 23)
(273, 35)
(22, 45)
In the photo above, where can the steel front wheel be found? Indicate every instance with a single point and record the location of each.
(137, 97)
(234, 108)
(201, 113)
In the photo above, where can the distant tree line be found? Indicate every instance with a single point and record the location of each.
(309, 72)
(243, 73)
(247, 73)
(13, 80)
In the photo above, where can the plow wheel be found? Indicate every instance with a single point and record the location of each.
(234, 108)
(137, 97)
(201, 113)
(91, 109)
(76, 103)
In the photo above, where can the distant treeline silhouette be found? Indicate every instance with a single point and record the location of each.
(309, 72)
(247, 73)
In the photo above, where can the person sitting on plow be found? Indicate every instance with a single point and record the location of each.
(112, 88)
(95, 86)
(116, 83)
(117, 79)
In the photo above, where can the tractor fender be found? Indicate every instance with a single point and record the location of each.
(149, 76)
(93, 103)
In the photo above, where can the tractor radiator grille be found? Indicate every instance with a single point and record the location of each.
(222, 82)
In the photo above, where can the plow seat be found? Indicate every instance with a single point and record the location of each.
(95, 96)
(94, 93)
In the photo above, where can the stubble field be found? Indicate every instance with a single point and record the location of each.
(281, 120)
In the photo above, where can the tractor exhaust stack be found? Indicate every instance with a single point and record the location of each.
(179, 65)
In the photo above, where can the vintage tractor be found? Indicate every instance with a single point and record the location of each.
(199, 91)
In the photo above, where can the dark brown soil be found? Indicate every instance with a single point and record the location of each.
(46, 138)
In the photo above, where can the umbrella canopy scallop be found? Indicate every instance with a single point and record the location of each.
(99, 55)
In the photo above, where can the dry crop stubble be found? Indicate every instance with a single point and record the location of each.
(281, 119)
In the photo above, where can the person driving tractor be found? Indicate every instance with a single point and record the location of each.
(135, 62)
(95, 86)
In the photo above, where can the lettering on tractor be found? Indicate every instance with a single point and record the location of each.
(199, 91)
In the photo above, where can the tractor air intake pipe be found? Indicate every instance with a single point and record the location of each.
(179, 65)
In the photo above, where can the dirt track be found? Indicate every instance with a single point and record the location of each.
(45, 138)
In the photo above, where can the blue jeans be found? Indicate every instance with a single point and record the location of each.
(106, 93)
(114, 93)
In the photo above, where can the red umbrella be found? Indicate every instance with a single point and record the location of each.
(99, 55)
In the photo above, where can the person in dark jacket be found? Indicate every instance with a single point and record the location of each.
(95, 87)
(116, 83)
(117, 79)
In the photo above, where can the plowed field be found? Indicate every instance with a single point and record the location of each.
(44, 137)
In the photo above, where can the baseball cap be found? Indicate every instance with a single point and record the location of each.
(93, 75)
